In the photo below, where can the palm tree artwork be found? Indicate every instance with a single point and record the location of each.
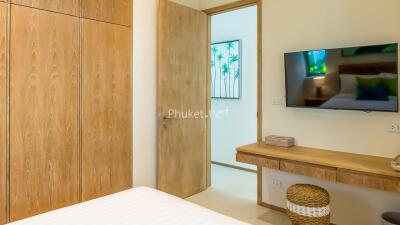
(214, 51)
(226, 70)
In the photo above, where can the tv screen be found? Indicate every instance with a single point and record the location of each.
(356, 78)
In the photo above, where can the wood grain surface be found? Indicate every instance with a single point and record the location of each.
(383, 183)
(260, 71)
(44, 155)
(310, 170)
(112, 11)
(230, 7)
(182, 86)
(341, 160)
(270, 163)
(3, 112)
(107, 109)
(353, 169)
(69, 7)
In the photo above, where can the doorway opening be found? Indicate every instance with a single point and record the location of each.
(235, 80)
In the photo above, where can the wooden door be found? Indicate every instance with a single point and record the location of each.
(182, 86)
(107, 109)
(44, 59)
(69, 7)
(3, 112)
(112, 11)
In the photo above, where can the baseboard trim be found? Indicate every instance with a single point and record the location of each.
(275, 208)
(233, 167)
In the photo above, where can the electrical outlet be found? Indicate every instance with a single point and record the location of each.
(277, 101)
(276, 183)
(394, 128)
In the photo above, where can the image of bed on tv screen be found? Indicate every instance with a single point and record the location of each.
(357, 78)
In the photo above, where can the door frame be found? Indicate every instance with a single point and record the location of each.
(223, 9)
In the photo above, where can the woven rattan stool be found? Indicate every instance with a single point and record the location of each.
(308, 205)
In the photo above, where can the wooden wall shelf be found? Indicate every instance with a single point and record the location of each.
(353, 169)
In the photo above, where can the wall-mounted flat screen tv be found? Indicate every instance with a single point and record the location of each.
(355, 78)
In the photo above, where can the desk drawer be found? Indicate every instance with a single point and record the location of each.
(310, 170)
(368, 180)
(258, 161)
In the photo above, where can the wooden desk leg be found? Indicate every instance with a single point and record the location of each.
(259, 185)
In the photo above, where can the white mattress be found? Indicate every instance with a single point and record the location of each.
(142, 206)
(348, 101)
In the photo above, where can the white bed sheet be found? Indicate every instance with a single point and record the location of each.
(141, 206)
(349, 101)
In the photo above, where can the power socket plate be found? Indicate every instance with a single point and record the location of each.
(276, 183)
(394, 128)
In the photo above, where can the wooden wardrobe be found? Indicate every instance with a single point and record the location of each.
(65, 103)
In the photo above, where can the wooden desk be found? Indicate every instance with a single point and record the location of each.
(353, 169)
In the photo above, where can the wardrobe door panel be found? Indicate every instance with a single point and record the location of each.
(3, 111)
(69, 7)
(112, 11)
(44, 154)
(107, 113)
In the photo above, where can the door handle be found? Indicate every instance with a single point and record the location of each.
(165, 119)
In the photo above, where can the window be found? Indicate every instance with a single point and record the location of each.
(316, 63)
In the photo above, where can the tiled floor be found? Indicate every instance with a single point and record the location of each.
(234, 193)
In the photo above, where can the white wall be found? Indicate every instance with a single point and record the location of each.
(144, 92)
(290, 26)
(144, 89)
(335, 24)
(239, 126)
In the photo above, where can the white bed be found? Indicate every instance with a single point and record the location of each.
(141, 206)
(349, 101)
(346, 99)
